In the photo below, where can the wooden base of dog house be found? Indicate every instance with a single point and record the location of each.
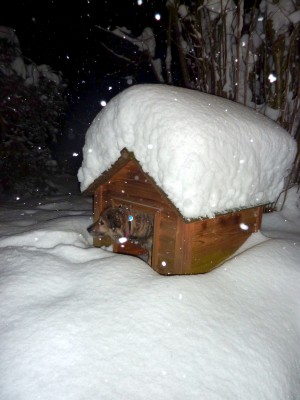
(179, 246)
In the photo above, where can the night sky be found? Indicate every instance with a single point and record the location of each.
(65, 36)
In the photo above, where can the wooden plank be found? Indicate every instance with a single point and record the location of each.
(165, 262)
(183, 247)
(132, 182)
(133, 248)
(124, 158)
(129, 248)
(179, 246)
(259, 214)
(127, 170)
(203, 245)
(214, 240)
(97, 207)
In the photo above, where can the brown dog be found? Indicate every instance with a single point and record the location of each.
(122, 224)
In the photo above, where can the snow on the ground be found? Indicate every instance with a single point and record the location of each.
(207, 153)
(79, 322)
(287, 223)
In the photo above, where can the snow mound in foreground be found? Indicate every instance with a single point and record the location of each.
(81, 323)
(208, 154)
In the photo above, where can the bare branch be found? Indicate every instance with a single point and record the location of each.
(116, 54)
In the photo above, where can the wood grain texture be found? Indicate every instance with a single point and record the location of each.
(179, 246)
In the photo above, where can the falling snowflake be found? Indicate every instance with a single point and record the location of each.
(244, 227)
(272, 77)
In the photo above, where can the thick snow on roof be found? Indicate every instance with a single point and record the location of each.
(208, 154)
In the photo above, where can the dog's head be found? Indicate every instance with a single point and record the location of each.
(109, 223)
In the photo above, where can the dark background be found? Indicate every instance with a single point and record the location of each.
(65, 35)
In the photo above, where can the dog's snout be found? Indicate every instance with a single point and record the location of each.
(90, 229)
(98, 228)
(94, 229)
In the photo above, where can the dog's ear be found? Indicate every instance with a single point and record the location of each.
(114, 218)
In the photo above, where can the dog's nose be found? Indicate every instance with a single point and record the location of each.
(95, 229)
(91, 229)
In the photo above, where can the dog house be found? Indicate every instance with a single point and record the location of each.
(202, 166)
(180, 246)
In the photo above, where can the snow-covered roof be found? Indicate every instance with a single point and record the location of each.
(208, 154)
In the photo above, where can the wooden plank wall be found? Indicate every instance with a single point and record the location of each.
(179, 247)
(214, 240)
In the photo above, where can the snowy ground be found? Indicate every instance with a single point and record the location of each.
(83, 323)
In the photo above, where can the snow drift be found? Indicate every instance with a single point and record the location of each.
(83, 323)
(208, 154)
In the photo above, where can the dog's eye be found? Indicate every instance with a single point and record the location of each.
(101, 222)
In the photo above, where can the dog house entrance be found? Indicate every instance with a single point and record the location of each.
(138, 246)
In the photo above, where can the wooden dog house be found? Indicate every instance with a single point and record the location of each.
(180, 246)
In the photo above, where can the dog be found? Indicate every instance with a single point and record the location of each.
(123, 223)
